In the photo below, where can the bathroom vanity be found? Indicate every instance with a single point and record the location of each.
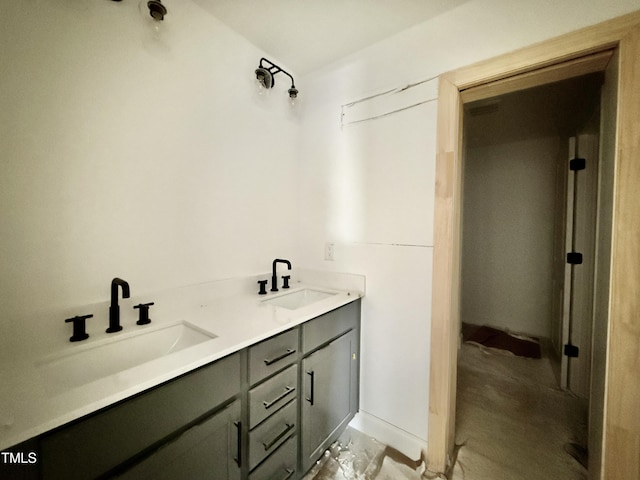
(265, 411)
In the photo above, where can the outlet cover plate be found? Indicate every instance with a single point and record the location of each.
(328, 251)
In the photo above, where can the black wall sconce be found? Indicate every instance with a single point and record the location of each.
(265, 76)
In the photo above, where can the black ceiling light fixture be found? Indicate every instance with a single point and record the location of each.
(265, 77)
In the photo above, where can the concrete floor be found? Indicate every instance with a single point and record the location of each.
(513, 421)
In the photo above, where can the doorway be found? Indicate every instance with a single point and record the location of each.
(523, 207)
(519, 216)
(618, 280)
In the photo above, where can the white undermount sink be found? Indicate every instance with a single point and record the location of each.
(121, 353)
(299, 298)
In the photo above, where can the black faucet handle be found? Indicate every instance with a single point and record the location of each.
(263, 287)
(79, 327)
(285, 280)
(144, 313)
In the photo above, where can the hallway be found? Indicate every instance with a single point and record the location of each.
(512, 421)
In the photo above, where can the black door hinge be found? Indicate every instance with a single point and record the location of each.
(571, 350)
(574, 258)
(577, 164)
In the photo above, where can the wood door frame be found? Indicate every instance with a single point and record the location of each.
(621, 437)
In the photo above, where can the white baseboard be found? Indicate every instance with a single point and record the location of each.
(406, 443)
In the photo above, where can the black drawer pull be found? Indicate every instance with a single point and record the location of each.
(288, 428)
(238, 458)
(290, 351)
(290, 473)
(312, 374)
(288, 390)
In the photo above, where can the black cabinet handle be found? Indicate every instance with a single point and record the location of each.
(287, 429)
(290, 351)
(290, 473)
(312, 374)
(287, 391)
(238, 458)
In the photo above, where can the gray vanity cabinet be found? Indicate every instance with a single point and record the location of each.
(330, 380)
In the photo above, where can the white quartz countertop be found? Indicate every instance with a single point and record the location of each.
(33, 402)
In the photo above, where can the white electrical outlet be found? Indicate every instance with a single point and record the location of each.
(328, 251)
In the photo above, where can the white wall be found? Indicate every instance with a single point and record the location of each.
(125, 154)
(508, 233)
(154, 161)
(348, 195)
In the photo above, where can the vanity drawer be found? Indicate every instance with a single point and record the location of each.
(331, 325)
(272, 433)
(271, 395)
(271, 355)
(279, 466)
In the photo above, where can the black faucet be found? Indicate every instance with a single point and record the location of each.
(114, 309)
(274, 276)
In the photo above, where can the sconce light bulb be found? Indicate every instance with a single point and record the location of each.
(264, 78)
(293, 95)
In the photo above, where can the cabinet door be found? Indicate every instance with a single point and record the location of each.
(328, 397)
(100, 443)
(208, 450)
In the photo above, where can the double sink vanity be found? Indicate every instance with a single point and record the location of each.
(249, 387)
